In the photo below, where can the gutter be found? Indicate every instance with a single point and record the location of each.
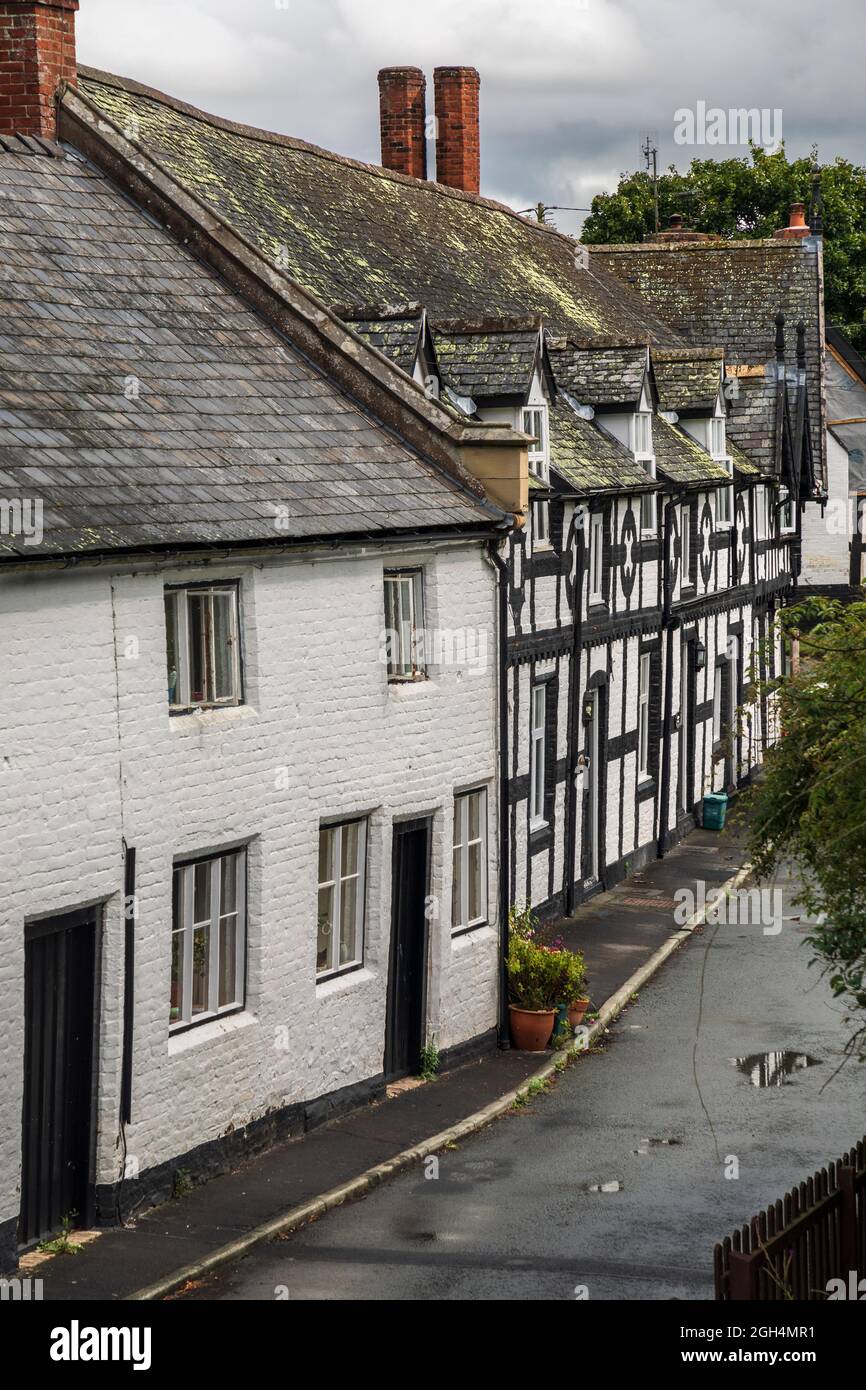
(669, 624)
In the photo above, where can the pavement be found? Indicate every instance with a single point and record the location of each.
(623, 934)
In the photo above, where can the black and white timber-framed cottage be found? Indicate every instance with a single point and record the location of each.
(672, 396)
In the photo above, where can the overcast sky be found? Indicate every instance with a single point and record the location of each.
(569, 88)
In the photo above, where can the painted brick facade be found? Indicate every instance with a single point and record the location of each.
(92, 761)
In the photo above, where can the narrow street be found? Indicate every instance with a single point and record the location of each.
(614, 1180)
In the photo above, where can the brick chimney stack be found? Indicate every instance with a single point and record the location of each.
(37, 53)
(402, 117)
(458, 147)
(797, 225)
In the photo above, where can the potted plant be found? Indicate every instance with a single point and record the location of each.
(573, 987)
(534, 978)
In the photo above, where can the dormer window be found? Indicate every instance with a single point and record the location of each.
(535, 425)
(642, 448)
(717, 437)
(718, 450)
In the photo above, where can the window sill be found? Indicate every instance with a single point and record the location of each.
(340, 980)
(465, 937)
(209, 714)
(213, 1028)
(408, 680)
(646, 788)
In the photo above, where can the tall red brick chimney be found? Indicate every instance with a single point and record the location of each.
(458, 145)
(402, 101)
(37, 52)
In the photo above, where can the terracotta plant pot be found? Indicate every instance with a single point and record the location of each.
(577, 1012)
(531, 1028)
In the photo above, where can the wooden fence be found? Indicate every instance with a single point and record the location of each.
(815, 1233)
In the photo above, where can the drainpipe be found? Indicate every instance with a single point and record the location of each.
(573, 704)
(668, 625)
(502, 570)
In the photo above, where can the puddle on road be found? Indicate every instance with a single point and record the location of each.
(765, 1069)
(614, 1185)
(647, 1145)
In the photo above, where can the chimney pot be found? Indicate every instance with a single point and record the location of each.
(458, 147)
(37, 54)
(797, 226)
(402, 119)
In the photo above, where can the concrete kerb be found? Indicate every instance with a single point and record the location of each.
(381, 1172)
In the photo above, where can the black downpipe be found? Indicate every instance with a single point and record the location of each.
(573, 704)
(669, 624)
(129, 916)
(504, 831)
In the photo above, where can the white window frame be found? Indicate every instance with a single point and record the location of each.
(596, 559)
(335, 830)
(405, 640)
(717, 705)
(460, 858)
(640, 434)
(539, 467)
(725, 499)
(717, 437)
(539, 453)
(181, 1016)
(787, 515)
(177, 603)
(685, 545)
(717, 442)
(537, 754)
(643, 715)
(760, 512)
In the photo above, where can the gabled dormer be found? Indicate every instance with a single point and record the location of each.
(690, 384)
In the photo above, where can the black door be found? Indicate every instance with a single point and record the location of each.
(59, 960)
(407, 972)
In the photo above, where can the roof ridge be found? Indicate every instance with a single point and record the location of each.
(292, 142)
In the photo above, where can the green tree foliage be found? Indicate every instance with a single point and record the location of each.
(810, 807)
(750, 197)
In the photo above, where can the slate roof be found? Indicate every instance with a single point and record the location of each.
(591, 459)
(742, 463)
(352, 232)
(487, 365)
(681, 460)
(145, 405)
(397, 337)
(600, 376)
(727, 294)
(688, 379)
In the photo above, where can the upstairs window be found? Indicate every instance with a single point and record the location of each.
(725, 505)
(537, 758)
(202, 646)
(404, 624)
(642, 448)
(535, 425)
(718, 446)
(787, 519)
(469, 861)
(540, 521)
(342, 873)
(208, 938)
(596, 560)
(685, 545)
(760, 514)
(643, 715)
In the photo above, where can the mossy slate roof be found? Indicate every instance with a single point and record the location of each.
(681, 460)
(688, 380)
(144, 404)
(356, 233)
(397, 338)
(601, 376)
(487, 365)
(591, 459)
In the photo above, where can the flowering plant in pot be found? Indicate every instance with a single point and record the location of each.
(534, 990)
(573, 987)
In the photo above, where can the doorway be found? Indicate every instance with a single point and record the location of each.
(57, 1110)
(407, 970)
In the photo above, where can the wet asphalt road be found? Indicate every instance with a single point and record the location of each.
(512, 1214)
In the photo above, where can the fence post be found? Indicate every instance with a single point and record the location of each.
(743, 1275)
(847, 1222)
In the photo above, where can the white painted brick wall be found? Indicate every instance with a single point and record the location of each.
(90, 755)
